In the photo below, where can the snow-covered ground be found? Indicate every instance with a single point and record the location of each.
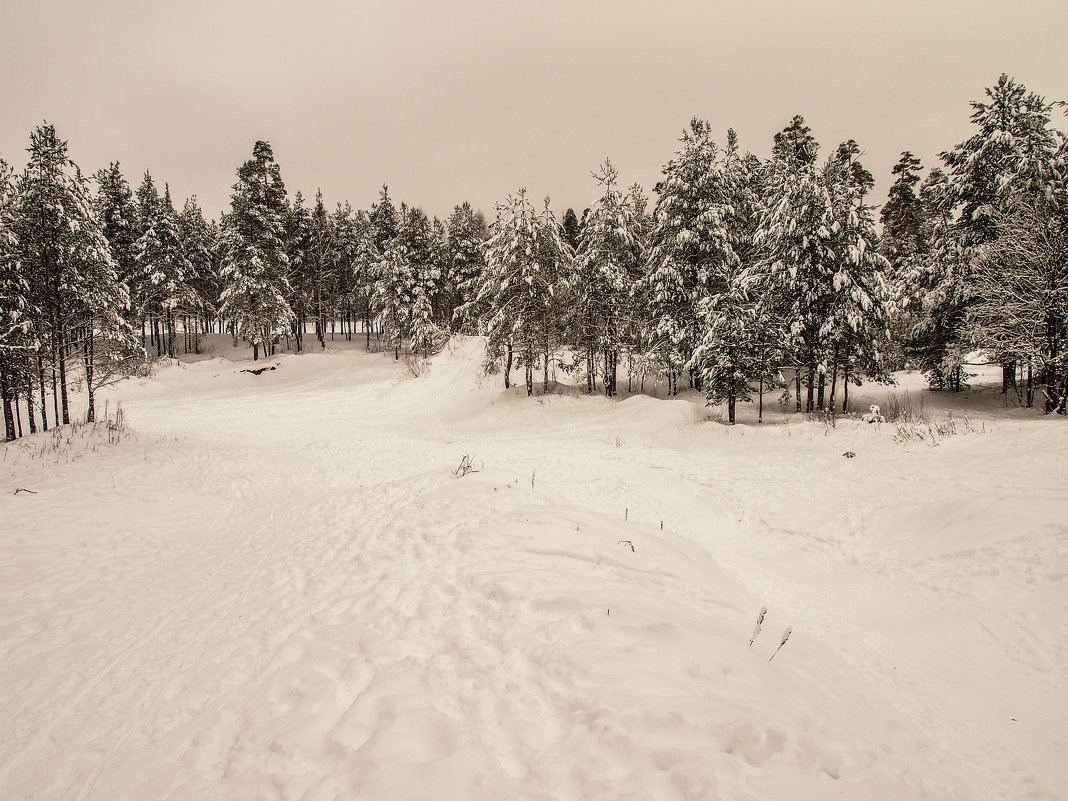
(275, 586)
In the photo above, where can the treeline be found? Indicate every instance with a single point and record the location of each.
(742, 266)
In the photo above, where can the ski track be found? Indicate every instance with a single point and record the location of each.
(280, 590)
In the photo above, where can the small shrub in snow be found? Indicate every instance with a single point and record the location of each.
(465, 467)
(760, 620)
(782, 642)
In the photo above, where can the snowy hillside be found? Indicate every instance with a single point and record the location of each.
(276, 586)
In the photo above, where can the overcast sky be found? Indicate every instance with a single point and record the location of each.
(470, 99)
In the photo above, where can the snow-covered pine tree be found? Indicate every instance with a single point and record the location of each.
(354, 270)
(571, 229)
(18, 342)
(734, 350)
(466, 261)
(606, 266)
(199, 240)
(1014, 161)
(357, 256)
(686, 240)
(163, 272)
(905, 243)
(385, 221)
(255, 281)
(322, 264)
(855, 331)
(443, 296)
(392, 294)
(109, 347)
(65, 258)
(115, 208)
(795, 277)
(1019, 290)
(520, 288)
(634, 318)
(301, 280)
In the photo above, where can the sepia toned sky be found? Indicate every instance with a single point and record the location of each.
(470, 99)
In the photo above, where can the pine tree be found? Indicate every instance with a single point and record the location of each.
(571, 230)
(1019, 308)
(905, 243)
(521, 288)
(163, 272)
(384, 220)
(1014, 161)
(67, 261)
(114, 207)
(200, 242)
(856, 328)
(734, 350)
(18, 340)
(255, 262)
(606, 266)
(688, 241)
(300, 273)
(796, 240)
(407, 278)
(322, 264)
(466, 261)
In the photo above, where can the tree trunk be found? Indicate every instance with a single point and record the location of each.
(44, 395)
(730, 406)
(845, 391)
(64, 405)
(5, 401)
(797, 386)
(530, 379)
(18, 406)
(29, 404)
(760, 401)
(1030, 385)
(834, 386)
(810, 402)
(90, 415)
(255, 351)
(508, 368)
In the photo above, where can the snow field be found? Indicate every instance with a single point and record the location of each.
(277, 588)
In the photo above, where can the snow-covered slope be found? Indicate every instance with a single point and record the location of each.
(276, 586)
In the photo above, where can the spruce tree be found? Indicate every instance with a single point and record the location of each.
(1012, 165)
(466, 261)
(68, 263)
(255, 271)
(905, 243)
(796, 241)
(300, 273)
(734, 350)
(322, 264)
(522, 289)
(200, 242)
(115, 208)
(688, 241)
(606, 266)
(571, 230)
(855, 331)
(18, 341)
(163, 272)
